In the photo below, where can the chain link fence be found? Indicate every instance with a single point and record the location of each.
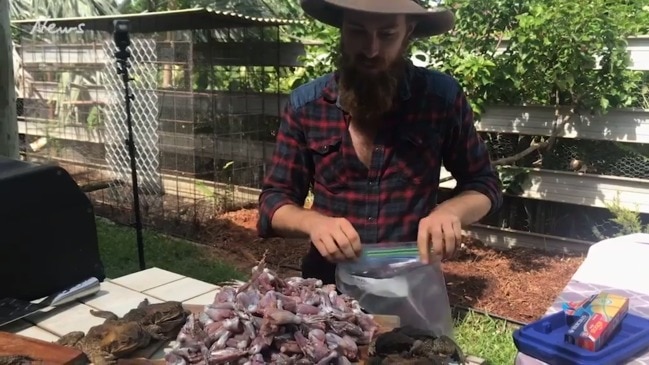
(205, 108)
(588, 156)
(144, 114)
(600, 157)
(205, 112)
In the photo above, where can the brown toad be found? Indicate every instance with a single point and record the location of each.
(440, 346)
(161, 320)
(409, 345)
(15, 360)
(119, 337)
(399, 360)
(105, 343)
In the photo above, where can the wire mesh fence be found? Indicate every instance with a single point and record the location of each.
(601, 157)
(582, 222)
(142, 71)
(205, 109)
(610, 158)
(205, 112)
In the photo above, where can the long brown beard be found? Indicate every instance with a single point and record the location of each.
(368, 96)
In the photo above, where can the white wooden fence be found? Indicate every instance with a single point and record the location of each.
(584, 189)
(628, 126)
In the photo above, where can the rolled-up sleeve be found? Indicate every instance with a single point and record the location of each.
(289, 173)
(466, 156)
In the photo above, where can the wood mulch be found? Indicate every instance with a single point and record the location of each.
(518, 284)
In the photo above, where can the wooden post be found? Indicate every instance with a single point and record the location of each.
(8, 121)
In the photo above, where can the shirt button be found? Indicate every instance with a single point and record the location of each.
(371, 219)
(324, 148)
(378, 149)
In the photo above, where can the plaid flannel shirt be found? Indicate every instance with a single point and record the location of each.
(385, 202)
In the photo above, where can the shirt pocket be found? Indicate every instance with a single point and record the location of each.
(417, 156)
(329, 163)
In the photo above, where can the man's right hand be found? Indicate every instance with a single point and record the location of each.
(335, 238)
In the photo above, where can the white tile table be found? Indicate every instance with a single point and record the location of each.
(116, 295)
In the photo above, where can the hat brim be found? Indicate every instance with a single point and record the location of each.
(430, 22)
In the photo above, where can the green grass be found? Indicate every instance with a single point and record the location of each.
(478, 335)
(486, 337)
(118, 250)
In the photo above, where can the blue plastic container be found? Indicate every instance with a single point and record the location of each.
(544, 340)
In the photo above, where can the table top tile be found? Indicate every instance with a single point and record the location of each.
(66, 318)
(116, 299)
(203, 299)
(38, 333)
(181, 290)
(25, 328)
(118, 296)
(147, 279)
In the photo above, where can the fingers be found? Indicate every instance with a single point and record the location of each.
(457, 230)
(423, 242)
(337, 240)
(352, 237)
(449, 239)
(437, 236)
(344, 246)
(442, 236)
(329, 249)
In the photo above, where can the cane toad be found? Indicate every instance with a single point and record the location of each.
(105, 343)
(161, 320)
(442, 345)
(408, 345)
(400, 360)
(15, 360)
(119, 337)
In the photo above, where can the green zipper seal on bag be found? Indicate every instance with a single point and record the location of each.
(391, 252)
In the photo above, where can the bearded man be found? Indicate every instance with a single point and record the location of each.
(371, 138)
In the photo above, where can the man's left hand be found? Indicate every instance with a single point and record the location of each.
(441, 230)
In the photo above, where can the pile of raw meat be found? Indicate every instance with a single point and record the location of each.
(274, 320)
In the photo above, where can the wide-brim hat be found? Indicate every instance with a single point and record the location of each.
(431, 21)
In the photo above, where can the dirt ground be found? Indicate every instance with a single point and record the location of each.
(519, 284)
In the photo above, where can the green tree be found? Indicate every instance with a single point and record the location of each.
(32, 9)
(561, 53)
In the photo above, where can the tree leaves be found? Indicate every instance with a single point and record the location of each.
(32, 9)
(547, 52)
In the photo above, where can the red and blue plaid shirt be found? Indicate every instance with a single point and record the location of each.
(433, 124)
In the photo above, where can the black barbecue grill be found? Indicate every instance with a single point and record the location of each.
(48, 241)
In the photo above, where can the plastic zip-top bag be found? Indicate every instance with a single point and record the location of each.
(390, 279)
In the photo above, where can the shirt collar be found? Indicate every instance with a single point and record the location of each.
(330, 92)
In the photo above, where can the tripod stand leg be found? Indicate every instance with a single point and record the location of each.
(122, 42)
